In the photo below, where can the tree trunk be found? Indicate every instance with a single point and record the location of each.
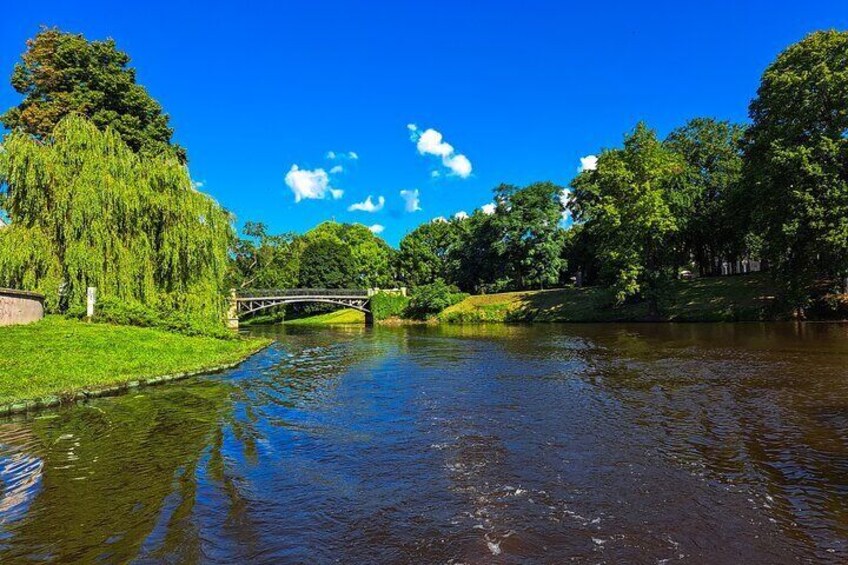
(653, 308)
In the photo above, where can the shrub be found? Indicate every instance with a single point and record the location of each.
(387, 305)
(831, 306)
(130, 313)
(430, 299)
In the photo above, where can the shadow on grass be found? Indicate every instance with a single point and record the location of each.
(735, 298)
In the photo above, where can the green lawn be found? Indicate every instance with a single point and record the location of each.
(735, 298)
(343, 316)
(56, 356)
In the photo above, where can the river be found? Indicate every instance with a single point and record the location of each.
(692, 443)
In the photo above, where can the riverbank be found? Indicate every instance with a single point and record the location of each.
(57, 359)
(740, 298)
(717, 299)
(338, 317)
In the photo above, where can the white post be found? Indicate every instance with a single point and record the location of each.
(91, 298)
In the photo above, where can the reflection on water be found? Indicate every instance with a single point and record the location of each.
(504, 443)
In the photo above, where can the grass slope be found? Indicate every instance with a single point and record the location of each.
(57, 356)
(344, 316)
(736, 298)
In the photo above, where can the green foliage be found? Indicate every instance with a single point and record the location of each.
(711, 227)
(430, 299)
(796, 162)
(261, 260)
(476, 264)
(87, 211)
(63, 73)
(372, 260)
(131, 313)
(388, 305)
(518, 246)
(529, 239)
(327, 263)
(424, 253)
(629, 203)
(27, 261)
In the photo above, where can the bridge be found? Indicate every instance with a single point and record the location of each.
(244, 302)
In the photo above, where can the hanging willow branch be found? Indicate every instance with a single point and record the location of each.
(87, 211)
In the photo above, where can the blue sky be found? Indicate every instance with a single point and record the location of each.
(518, 91)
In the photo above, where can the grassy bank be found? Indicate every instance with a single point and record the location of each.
(736, 298)
(57, 356)
(338, 317)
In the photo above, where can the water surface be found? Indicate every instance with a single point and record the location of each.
(474, 444)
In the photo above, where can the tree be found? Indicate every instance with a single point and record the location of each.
(628, 203)
(87, 211)
(327, 263)
(580, 255)
(261, 260)
(530, 238)
(474, 263)
(710, 228)
(796, 169)
(63, 73)
(372, 258)
(423, 255)
(517, 247)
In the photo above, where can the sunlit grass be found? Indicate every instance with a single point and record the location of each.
(735, 298)
(343, 316)
(57, 356)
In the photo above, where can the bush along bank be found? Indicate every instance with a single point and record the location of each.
(131, 313)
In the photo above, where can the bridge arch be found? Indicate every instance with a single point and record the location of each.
(244, 302)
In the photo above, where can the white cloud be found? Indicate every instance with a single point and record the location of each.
(431, 142)
(336, 170)
(439, 220)
(306, 184)
(435, 174)
(368, 205)
(459, 164)
(376, 228)
(489, 208)
(412, 203)
(461, 215)
(588, 163)
(197, 184)
(332, 155)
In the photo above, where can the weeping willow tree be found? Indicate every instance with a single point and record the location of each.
(86, 210)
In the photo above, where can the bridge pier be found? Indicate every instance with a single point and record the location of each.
(369, 318)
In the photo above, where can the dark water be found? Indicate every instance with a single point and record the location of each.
(607, 443)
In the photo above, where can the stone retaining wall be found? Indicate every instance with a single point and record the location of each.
(20, 307)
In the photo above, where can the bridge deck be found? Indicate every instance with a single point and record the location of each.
(252, 294)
